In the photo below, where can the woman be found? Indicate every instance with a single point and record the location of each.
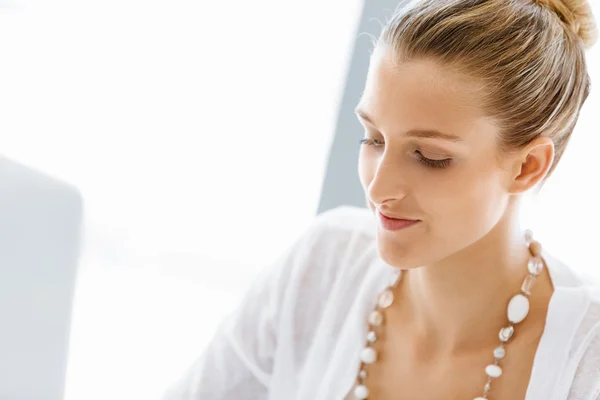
(435, 292)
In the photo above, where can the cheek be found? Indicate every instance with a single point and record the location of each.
(470, 201)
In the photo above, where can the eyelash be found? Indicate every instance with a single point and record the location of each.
(428, 162)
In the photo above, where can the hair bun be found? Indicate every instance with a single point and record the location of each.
(577, 14)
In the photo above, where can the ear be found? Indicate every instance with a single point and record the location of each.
(531, 164)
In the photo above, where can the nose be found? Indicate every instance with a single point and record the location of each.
(389, 182)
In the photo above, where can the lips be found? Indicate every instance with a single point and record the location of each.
(391, 216)
(395, 224)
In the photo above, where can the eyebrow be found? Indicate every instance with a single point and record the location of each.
(422, 133)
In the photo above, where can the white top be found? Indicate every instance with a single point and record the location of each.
(300, 328)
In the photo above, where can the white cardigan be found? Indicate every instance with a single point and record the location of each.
(300, 328)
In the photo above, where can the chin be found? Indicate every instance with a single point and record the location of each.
(397, 254)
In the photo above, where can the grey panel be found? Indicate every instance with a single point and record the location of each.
(341, 185)
(40, 221)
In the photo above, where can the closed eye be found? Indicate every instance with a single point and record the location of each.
(429, 162)
(371, 142)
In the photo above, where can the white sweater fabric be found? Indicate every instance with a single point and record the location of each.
(298, 333)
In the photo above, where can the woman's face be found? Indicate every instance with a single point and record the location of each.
(430, 155)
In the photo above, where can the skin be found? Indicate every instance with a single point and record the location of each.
(466, 257)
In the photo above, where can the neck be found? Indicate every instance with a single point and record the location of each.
(459, 304)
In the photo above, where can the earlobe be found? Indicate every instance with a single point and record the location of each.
(533, 164)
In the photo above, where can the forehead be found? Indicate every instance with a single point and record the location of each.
(422, 94)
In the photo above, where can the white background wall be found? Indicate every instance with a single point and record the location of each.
(198, 132)
(194, 128)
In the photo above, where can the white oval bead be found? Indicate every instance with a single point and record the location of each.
(386, 298)
(371, 337)
(376, 318)
(361, 392)
(493, 370)
(506, 333)
(499, 352)
(368, 355)
(518, 308)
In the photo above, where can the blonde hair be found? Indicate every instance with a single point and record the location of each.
(529, 55)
